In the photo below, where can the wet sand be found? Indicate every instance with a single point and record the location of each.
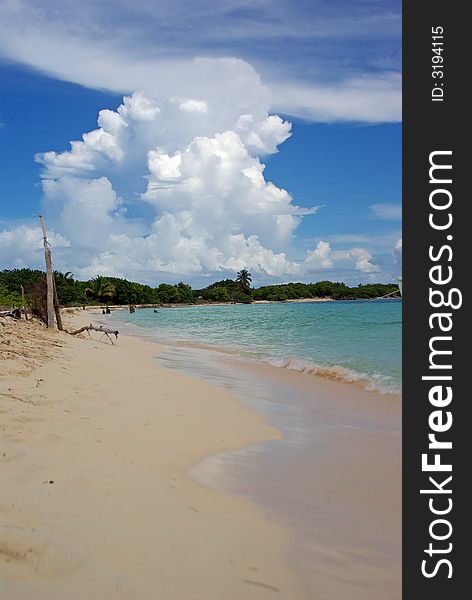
(334, 479)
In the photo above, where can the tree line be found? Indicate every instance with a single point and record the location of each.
(116, 291)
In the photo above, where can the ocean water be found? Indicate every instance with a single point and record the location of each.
(354, 341)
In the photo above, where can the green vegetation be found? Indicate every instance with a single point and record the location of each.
(322, 289)
(8, 299)
(112, 290)
(101, 289)
(244, 280)
(227, 290)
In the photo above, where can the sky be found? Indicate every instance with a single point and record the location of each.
(187, 140)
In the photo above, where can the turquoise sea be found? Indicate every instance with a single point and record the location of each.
(358, 341)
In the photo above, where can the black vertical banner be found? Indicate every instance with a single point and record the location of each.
(436, 261)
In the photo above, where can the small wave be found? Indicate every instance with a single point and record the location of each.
(376, 382)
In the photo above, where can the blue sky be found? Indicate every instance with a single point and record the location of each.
(171, 185)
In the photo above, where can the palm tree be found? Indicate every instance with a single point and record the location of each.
(244, 279)
(101, 289)
(64, 278)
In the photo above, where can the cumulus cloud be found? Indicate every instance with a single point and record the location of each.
(324, 257)
(363, 260)
(199, 177)
(172, 183)
(320, 257)
(218, 186)
(263, 136)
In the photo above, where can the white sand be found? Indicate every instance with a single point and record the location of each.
(94, 503)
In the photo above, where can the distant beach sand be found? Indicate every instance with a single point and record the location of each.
(96, 441)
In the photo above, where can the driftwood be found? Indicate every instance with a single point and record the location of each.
(100, 329)
(15, 313)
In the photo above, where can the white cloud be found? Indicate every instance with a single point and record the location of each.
(368, 98)
(263, 136)
(324, 257)
(319, 258)
(139, 108)
(87, 210)
(387, 211)
(194, 106)
(397, 252)
(22, 246)
(85, 44)
(210, 209)
(363, 260)
(219, 187)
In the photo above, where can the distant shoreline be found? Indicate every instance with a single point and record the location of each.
(187, 304)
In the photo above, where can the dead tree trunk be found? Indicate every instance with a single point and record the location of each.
(23, 302)
(57, 309)
(49, 277)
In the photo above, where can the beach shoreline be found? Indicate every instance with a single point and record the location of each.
(92, 307)
(358, 447)
(334, 479)
(169, 333)
(306, 483)
(96, 440)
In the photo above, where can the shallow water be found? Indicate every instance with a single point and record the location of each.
(353, 341)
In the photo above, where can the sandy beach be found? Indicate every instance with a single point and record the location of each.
(95, 503)
(97, 443)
